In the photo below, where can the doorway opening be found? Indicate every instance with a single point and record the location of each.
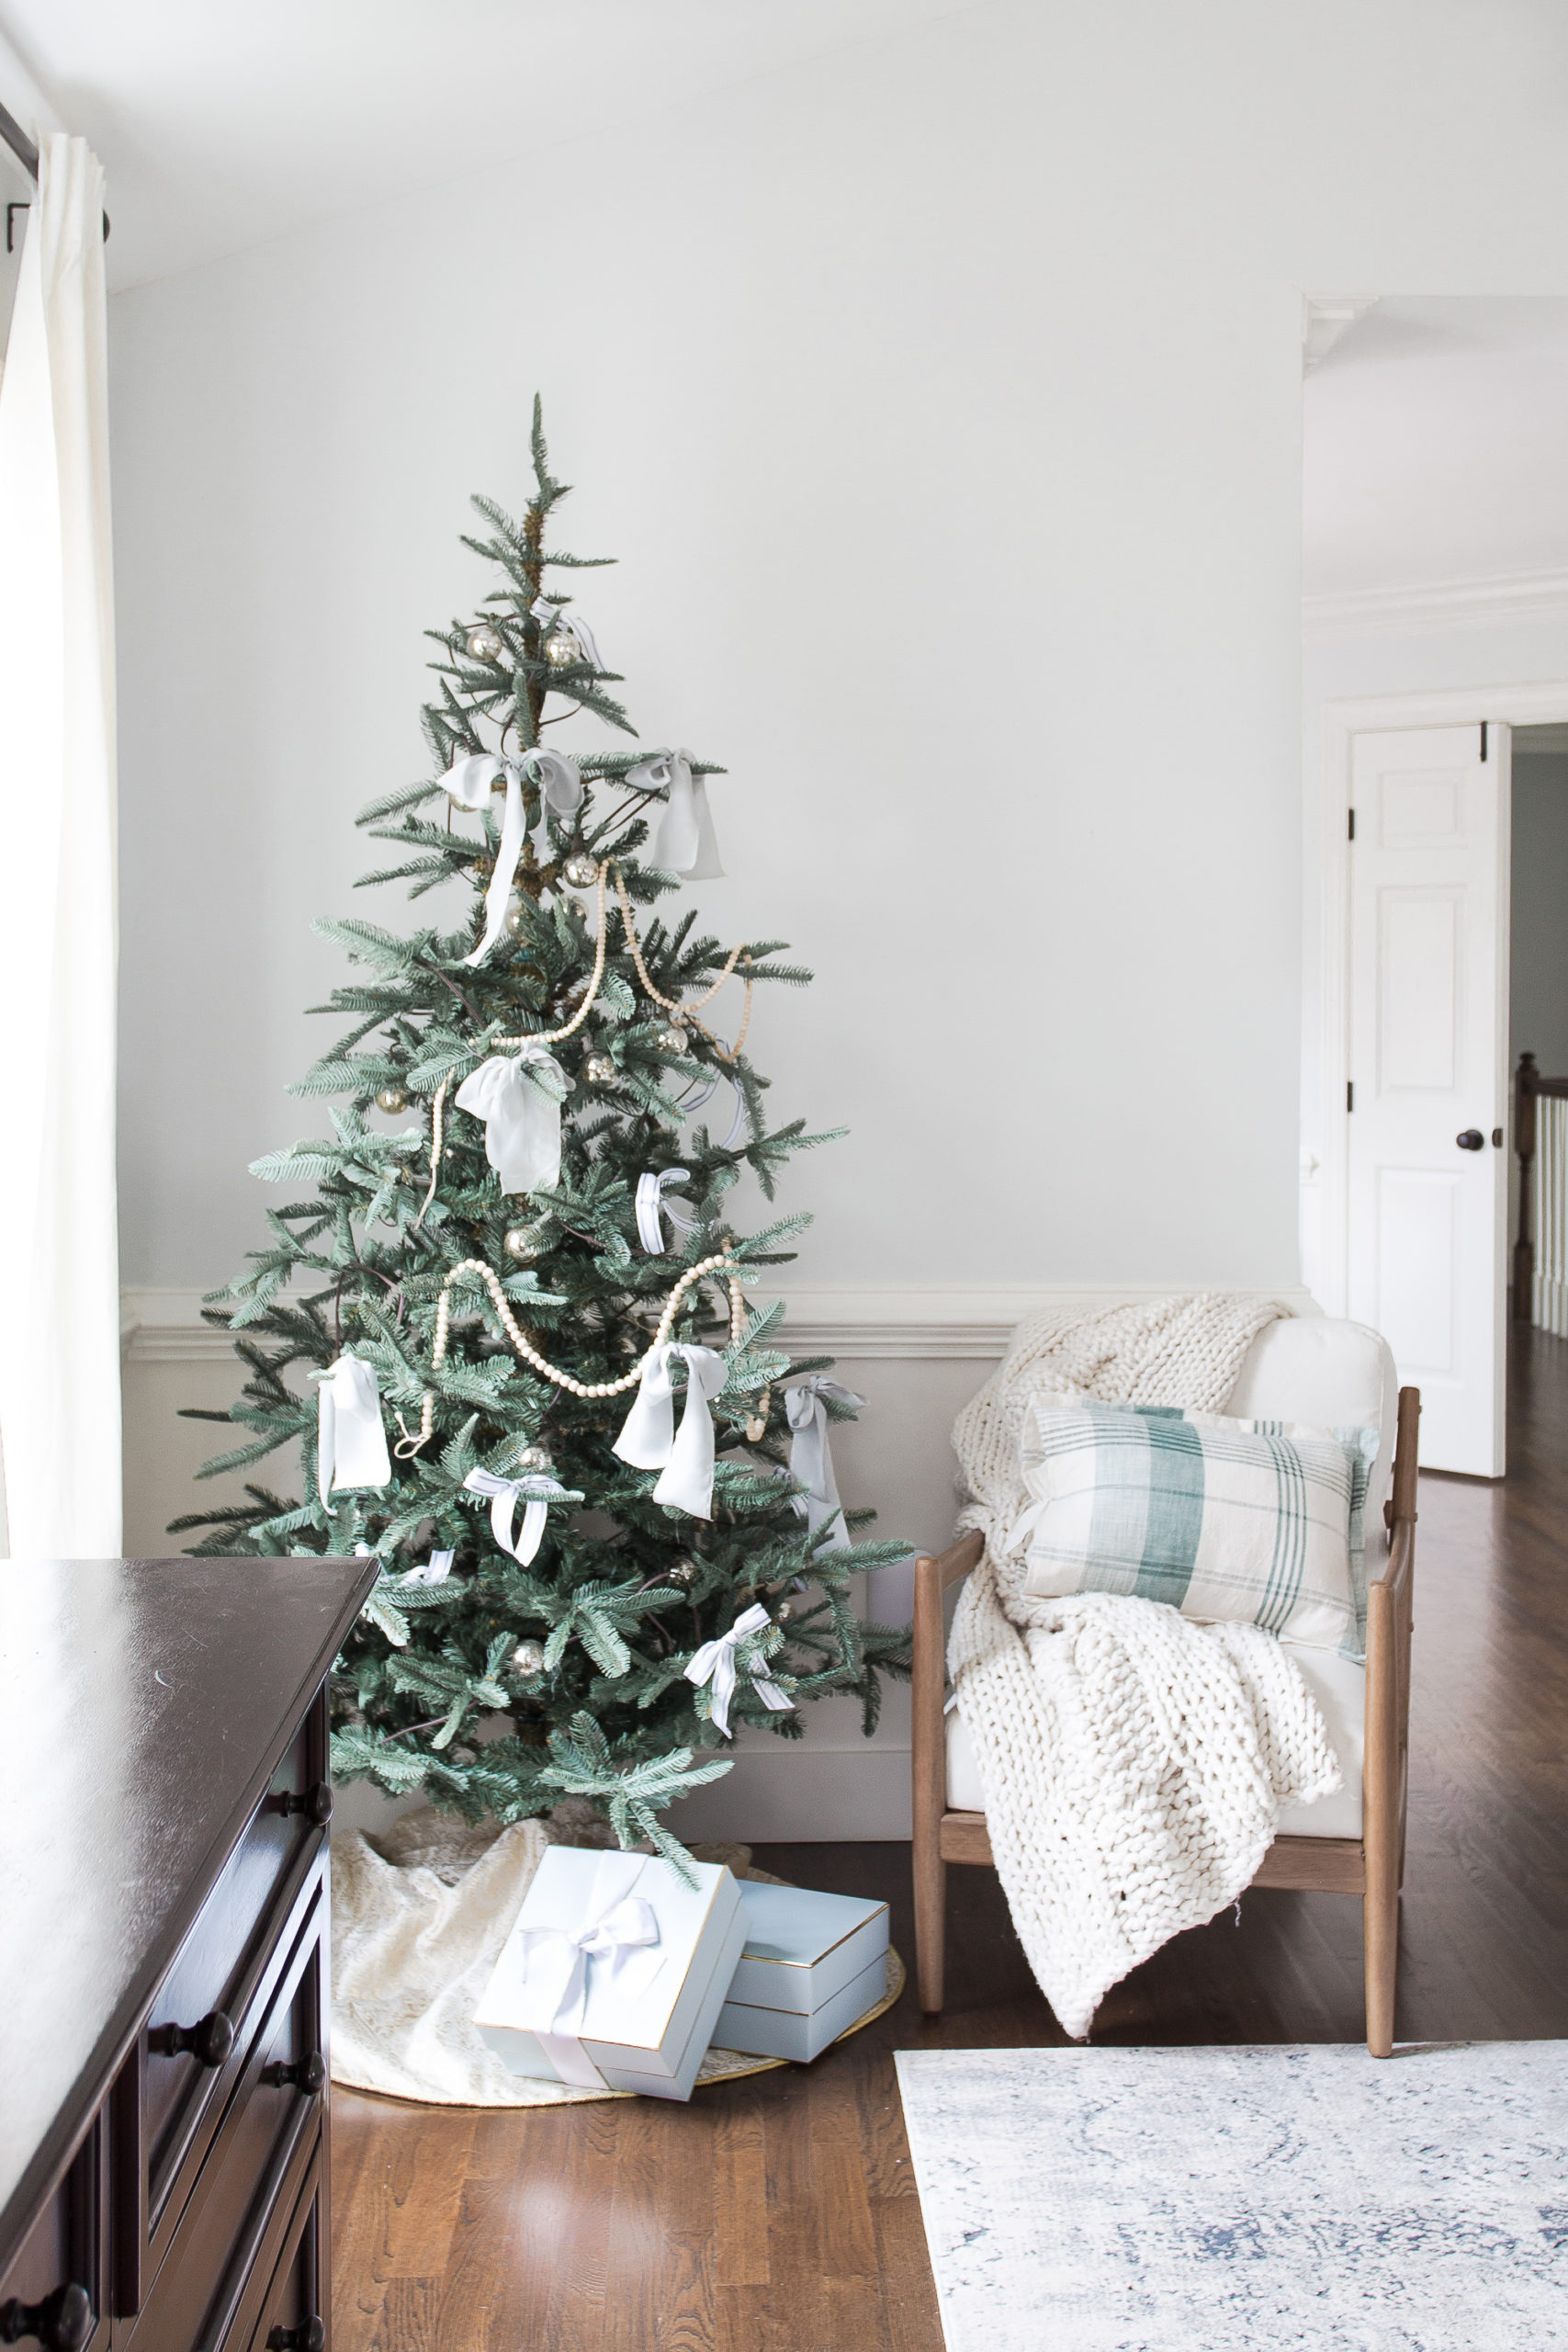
(1436, 666)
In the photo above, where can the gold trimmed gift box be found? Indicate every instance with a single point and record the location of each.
(813, 1966)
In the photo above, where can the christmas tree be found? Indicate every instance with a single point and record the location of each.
(511, 1339)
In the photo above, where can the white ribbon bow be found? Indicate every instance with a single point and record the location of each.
(617, 1932)
(650, 1200)
(550, 616)
(714, 1663)
(468, 781)
(684, 843)
(436, 1571)
(350, 1442)
(535, 1492)
(811, 1458)
(649, 1440)
(519, 1099)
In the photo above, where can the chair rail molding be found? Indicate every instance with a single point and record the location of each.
(949, 1323)
(1437, 604)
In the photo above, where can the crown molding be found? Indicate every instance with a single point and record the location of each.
(931, 1322)
(1444, 603)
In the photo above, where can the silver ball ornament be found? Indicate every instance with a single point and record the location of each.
(392, 1098)
(600, 1070)
(579, 870)
(537, 1460)
(523, 1241)
(784, 1610)
(673, 1040)
(561, 650)
(485, 643)
(683, 1572)
(528, 1659)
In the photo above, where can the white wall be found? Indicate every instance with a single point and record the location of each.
(942, 399)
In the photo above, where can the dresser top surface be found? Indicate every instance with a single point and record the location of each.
(145, 1706)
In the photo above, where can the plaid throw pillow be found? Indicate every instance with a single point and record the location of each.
(1254, 1521)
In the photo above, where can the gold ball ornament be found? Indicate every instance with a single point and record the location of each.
(561, 650)
(538, 1460)
(485, 643)
(683, 1572)
(514, 917)
(523, 1241)
(784, 1613)
(392, 1098)
(528, 1659)
(600, 1070)
(579, 870)
(673, 1040)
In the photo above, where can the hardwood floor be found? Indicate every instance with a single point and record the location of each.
(778, 2214)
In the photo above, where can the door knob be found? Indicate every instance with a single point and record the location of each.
(1470, 1140)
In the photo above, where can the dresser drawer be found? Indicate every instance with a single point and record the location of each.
(225, 2235)
(59, 2276)
(215, 1975)
(294, 2315)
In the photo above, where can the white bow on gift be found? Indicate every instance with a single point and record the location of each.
(648, 1440)
(350, 1442)
(651, 1201)
(617, 1932)
(553, 621)
(560, 783)
(519, 1098)
(684, 843)
(714, 1663)
(811, 1456)
(535, 1492)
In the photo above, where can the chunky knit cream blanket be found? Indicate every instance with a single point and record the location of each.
(1133, 1761)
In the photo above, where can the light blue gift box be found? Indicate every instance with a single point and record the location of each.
(812, 1966)
(647, 2019)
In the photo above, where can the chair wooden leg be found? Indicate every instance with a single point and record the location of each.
(930, 1922)
(1379, 1915)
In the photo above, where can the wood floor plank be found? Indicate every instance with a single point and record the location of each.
(778, 2214)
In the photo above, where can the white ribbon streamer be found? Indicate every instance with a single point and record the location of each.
(714, 1663)
(559, 780)
(436, 1571)
(617, 1933)
(650, 1201)
(535, 1492)
(519, 1099)
(685, 842)
(648, 1440)
(551, 618)
(350, 1442)
(468, 782)
(811, 1456)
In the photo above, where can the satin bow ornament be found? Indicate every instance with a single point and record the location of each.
(714, 1663)
(618, 1933)
(811, 1456)
(552, 621)
(651, 1201)
(684, 843)
(436, 1571)
(648, 1438)
(351, 1442)
(535, 1492)
(519, 1098)
(560, 783)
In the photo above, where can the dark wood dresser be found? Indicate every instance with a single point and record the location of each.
(164, 1987)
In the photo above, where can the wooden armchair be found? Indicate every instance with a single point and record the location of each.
(1372, 1865)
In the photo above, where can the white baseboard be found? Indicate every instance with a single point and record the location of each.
(948, 1322)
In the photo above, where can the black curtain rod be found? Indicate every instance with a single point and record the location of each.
(25, 153)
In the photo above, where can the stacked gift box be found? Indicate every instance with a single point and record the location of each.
(621, 1971)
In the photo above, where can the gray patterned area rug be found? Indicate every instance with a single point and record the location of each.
(1215, 2201)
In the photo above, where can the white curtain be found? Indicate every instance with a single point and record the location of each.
(60, 1422)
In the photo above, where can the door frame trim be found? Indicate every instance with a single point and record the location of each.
(1539, 705)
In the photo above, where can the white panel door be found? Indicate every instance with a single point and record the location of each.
(1430, 1074)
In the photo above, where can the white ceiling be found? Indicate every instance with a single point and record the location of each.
(224, 122)
(1437, 446)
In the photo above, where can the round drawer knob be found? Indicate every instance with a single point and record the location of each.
(210, 2043)
(61, 2323)
(315, 1803)
(311, 2336)
(308, 2074)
